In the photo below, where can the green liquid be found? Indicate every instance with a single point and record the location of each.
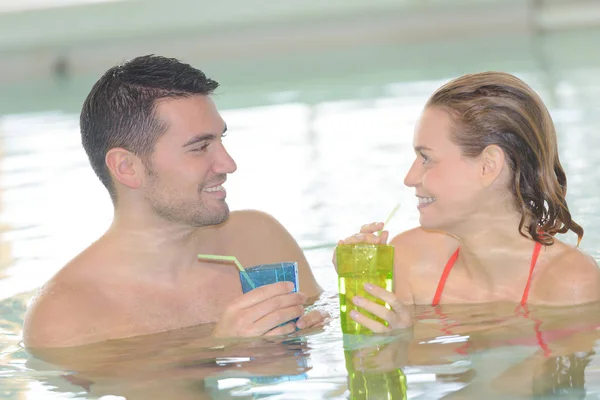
(389, 385)
(377, 385)
(351, 285)
(366, 383)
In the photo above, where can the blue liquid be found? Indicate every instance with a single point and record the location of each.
(266, 274)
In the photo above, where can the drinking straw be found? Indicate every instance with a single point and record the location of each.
(389, 218)
(231, 259)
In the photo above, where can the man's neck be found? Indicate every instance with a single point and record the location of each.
(156, 243)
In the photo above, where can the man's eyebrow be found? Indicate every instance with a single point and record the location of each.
(421, 148)
(203, 137)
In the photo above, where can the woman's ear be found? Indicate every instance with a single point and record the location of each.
(125, 167)
(492, 162)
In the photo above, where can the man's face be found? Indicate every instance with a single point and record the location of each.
(189, 165)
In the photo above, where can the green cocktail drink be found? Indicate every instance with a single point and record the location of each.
(358, 264)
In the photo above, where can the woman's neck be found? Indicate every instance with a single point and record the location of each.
(495, 251)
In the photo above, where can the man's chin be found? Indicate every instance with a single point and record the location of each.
(224, 217)
(219, 216)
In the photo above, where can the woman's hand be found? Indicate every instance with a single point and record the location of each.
(367, 234)
(397, 317)
(391, 354)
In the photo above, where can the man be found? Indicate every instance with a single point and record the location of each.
(154, 138)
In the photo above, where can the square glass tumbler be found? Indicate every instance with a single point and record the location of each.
(265, 274)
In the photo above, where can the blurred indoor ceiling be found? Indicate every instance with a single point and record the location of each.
(71, 42)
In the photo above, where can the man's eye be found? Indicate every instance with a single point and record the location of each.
(201, 148)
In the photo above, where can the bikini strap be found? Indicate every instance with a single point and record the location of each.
(440, 288)
(534, 257)
(442, 283)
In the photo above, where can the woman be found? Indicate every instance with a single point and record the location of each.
(491, 198)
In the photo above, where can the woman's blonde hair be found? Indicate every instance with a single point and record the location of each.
(496, 108)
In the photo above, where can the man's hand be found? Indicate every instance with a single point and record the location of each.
(313, 319)
(261, 311)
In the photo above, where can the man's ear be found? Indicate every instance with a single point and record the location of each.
(492, 161)
(125, 167)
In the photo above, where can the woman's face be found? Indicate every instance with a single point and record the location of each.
(448, 185)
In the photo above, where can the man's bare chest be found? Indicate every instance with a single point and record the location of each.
(172, 307)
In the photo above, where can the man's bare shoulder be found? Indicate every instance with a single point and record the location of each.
(70, 309)
(253, 228)
(62, 314)
(256, 237)
(570, 277)
(253, 218)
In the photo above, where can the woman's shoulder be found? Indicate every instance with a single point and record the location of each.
(424, 240)
(423, 251)
(570, 276)
(420, 256)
